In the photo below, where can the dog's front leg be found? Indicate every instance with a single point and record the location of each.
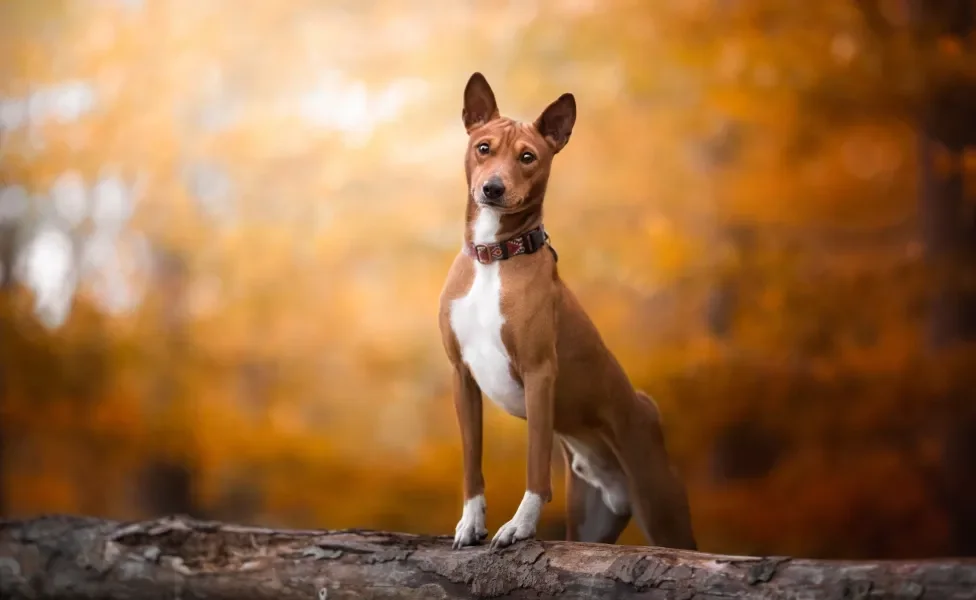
(467, 403)
(539, 399)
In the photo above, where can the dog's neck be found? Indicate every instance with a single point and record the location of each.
(485, 225)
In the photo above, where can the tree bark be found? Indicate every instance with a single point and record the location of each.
(62, 557)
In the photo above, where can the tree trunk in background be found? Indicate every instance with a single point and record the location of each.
(73, 557)
(3, 403)
(167, 487)
(948, 123)
(949, 241)
(959, 461)
(948, 236)
(168, 481)
(8, 250)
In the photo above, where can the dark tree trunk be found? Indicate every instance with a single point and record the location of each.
(3, 401)
(959, 462)
(8, 249)
(947, 122)
(3, 430)
(74, 557)
(169, 481)
(948, 233)
(167, 488)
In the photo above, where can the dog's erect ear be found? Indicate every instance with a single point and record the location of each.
(479, 102)
(556, 122)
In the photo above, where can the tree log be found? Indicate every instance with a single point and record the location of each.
(64, 557)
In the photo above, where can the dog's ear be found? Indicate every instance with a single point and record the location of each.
(556, 122)
(479, 102)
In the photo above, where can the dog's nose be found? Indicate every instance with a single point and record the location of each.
(493, 188)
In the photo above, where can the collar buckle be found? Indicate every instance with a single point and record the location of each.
(482, 253)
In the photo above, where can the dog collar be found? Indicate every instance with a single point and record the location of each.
(527, 243)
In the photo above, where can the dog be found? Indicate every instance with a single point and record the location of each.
(515, 333)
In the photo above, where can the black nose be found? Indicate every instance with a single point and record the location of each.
(493, 188)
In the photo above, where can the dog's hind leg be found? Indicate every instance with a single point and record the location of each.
(657, 495)
(588, 518)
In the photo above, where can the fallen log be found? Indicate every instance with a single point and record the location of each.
(65, 557)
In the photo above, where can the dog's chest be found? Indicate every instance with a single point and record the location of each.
(477, 321)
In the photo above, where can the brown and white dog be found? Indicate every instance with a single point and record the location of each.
(514, 332)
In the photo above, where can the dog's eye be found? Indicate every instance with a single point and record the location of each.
(483, 148)
(527, 158)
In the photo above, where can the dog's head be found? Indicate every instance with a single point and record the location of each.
(507, 162)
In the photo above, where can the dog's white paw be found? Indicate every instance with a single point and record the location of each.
(511, 532)
(522, 526)
(471, 528)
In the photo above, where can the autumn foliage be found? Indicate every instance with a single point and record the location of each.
(225, 225)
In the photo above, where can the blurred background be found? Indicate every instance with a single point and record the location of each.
(225, 224)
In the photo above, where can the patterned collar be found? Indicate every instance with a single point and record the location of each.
(527, 243)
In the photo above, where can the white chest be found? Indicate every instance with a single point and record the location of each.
(477, 320)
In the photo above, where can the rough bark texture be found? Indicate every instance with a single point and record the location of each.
(75, 557)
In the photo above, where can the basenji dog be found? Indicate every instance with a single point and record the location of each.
(515, 333)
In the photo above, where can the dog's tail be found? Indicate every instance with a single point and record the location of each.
(663, 511)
